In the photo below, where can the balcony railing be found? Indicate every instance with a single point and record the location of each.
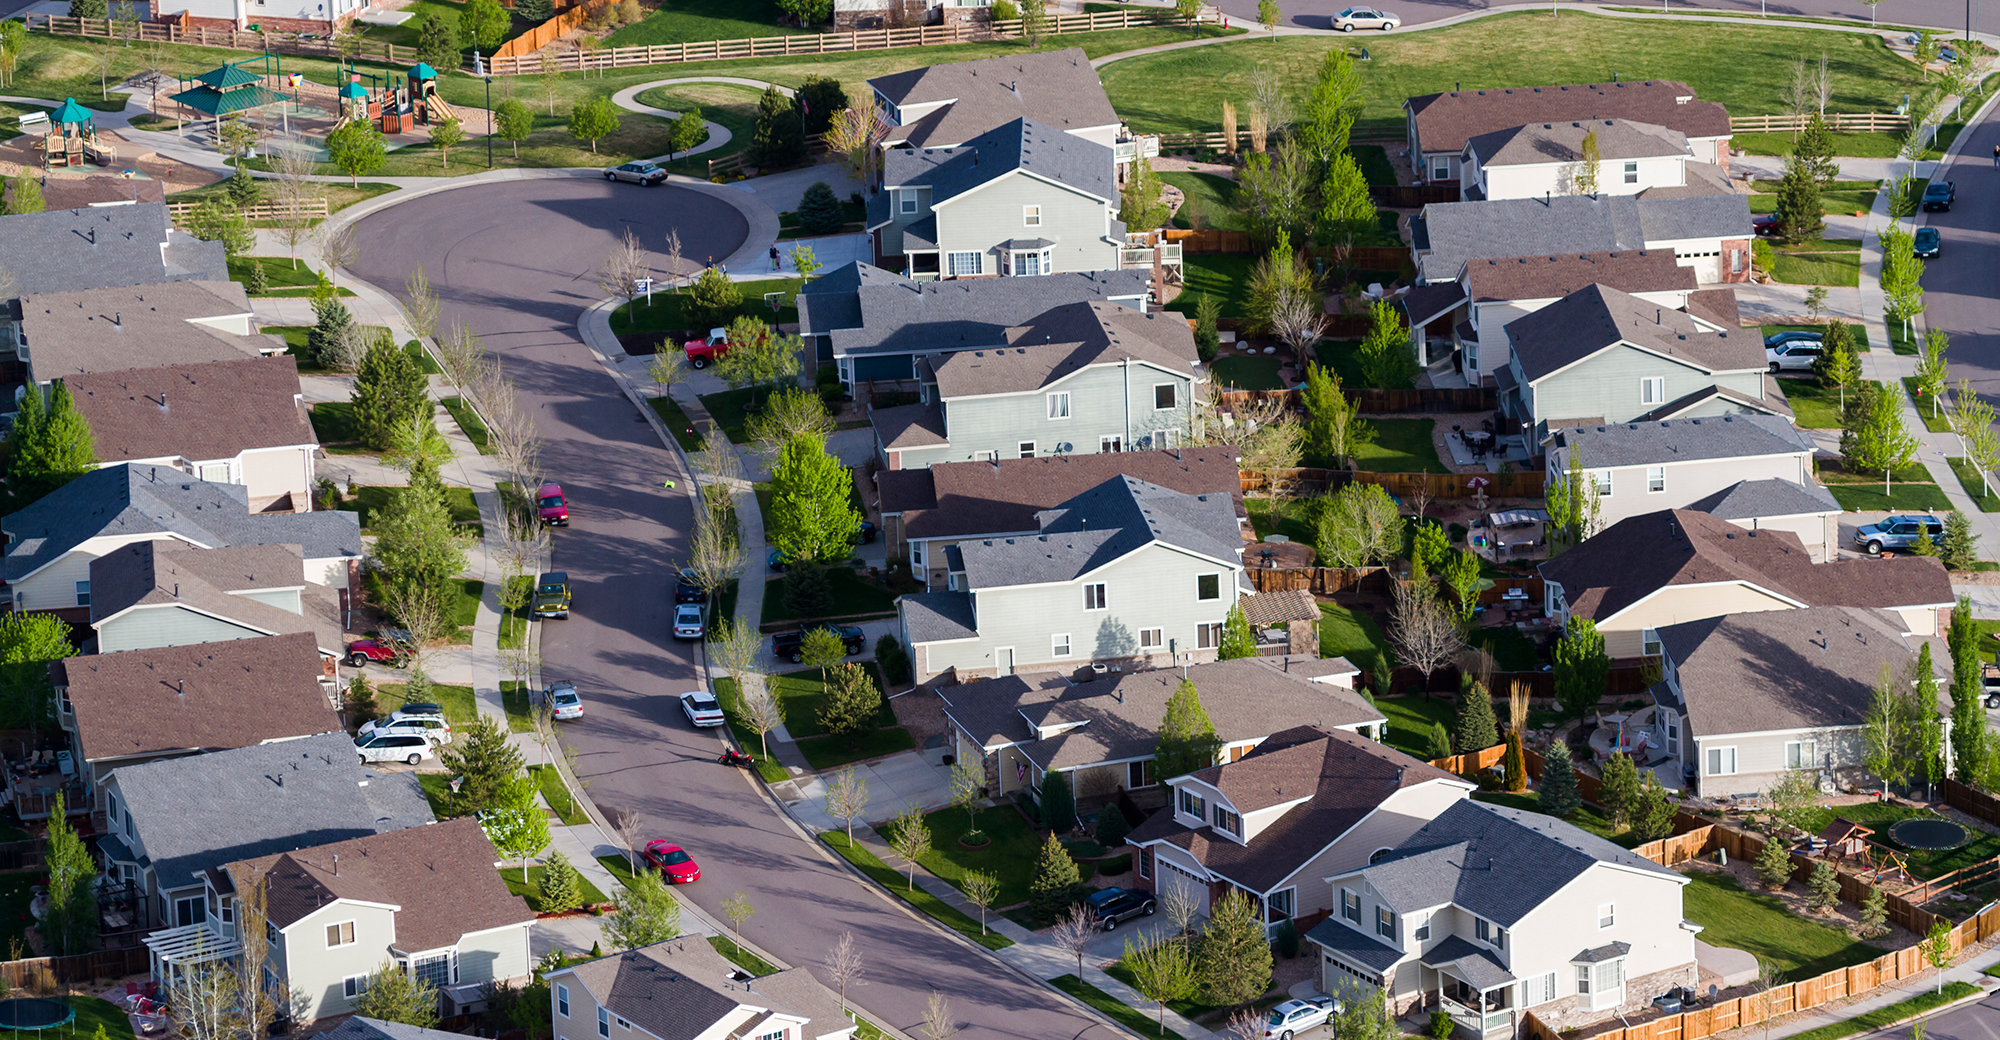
(1147, 145)
(1138, 256)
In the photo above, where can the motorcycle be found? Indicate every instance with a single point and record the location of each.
(733, 757)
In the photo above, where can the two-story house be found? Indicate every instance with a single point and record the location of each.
(124, 709)
(172, 823)
(51, 544)
(926, 509)
(1439, 126)
(1081, 378)
(227, 422)
(1488, 913)
(1600, 356)
(1746, 698)
(62, 335)
(1756, 471)
(1708, 232)
(156, 593)
(1304, 804)
(1127, 573)
(873, 325)
(944, 106)
(1023, 200)
(682, 989)
(1543, 159)
(427, 900)
(273, 15)
(1647, 572)
(1102, 731)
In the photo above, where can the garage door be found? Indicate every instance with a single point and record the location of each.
(1172, 876)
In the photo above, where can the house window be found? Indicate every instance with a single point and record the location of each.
(1031, 216)
(1228, 822)
(1028, 264)
(1385, 922)
(1093, 596)
(1059, 645)
(603, 1022)
(1166, 437)
(1209, 636)
(963, 264)
(270, 932)
(1422, 927)
(1607, 916)
(355, 985)
(83, 594)
(1653, 390)
(1059, 405)
(906, 200)
(1440, 168)
(111, 808)
(1208, 586)
(562, 1000)
(1722, 761)
(774, 1035)
(1139, 774)
(1146, 864)
(916, 554)
(1649, 642)
(1472, 355)
(1801, 754)
(1601, 478)
(341, 934)
(1192, 804)
(1107, 445)
(1491, 934)
(622, 1024)
(1152, 638)
(1482, 930)
(1631, 173)
(1350, 905)
(1736, 261)
(1583, 979)
(1656, 478)
(1538, 990)
(215, 472)
(1280, 903)
(1026, 449)
(1164, 396)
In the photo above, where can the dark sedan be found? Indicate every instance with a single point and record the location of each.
(1927, 243)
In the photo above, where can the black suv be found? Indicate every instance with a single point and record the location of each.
(785, 645)
(1108, 906)
(688, 588)
(1938, 196)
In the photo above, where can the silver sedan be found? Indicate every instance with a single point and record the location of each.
(637, 172)
(1365, 18)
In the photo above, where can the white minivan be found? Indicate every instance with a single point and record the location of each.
(391, 746)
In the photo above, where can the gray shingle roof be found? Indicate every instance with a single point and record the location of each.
(1562, 142)
(65, 250)
(1748, 499)
(1065, 340)
(1474, 964)
(865, 310)
(359, 1028)
(936, 617)
(156, 500)
(128, 327)
(1684, 440)
(1107, 523)
(1058, 88)
(1460, 232)
(679, 990)
(1020, 145)
(1353, 945)
(1596, 317)
(197, 813)
(909, 426)
(165, 575)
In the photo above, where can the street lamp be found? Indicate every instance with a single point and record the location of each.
(491, 124)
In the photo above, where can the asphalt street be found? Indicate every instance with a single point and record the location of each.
(1979, 1020)
(516, 261)
(1318, 14)
(1959, 285)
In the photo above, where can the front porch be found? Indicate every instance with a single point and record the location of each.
(1471, 986)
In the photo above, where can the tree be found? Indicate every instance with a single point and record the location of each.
(1388, 360)
(356, 147)
(1141, 205)
(486, 764)
(216, 221)
(758, 356)
(812, 510)
(819, 210)
(1278, 283)
(1902, 275)
(1969, 742)
(1475, 728)
(1654, 818)
(394, 995)
(807, 12)
(69, 924)
(482, 24)
(758, 710)
(1837, 365)
(1112, 827)
(1237, 639)
(560, 887)
(1269, 15)
(445, 135)
(1794, 798)
(980, 888)
(805, 263)
(1461, 571)
(1274, 192)
(643, 914)
(1073, 933)
(820, 97)
(1773, 865)
(1207, 341)
(809, 594)
(938, 1023)
(967, 791)
(1513, 765)
(1187, 737)
(1874, 917)
(1559, 795)
(592, 118)
(1424, 633)
(910, 838)
(853, 705)
(738, 910)
(1346, 210)
(97, 10)
(1883, 733)
(1972, 419)
(1058, 802)
(1619, 792)
(537, 11)
(843, 966)
(1822, 887)
(1924, 734)
(1573, 504)
(1582, 666)
(777, 138)
(240, 187)
(1233, 958)
(1438, 743)
(25, 193)
(1585, 180)
(622, 269)
(1056, 884)
(416, 545)
(847, 799)
(50, 446)
(1163, 971)
(1034, 21)
(1932, 377)
(513, 123)
(437, 43)
(1799, 212)
(389, 388)
(712, 300)
(855, 136)
(1330, 109)
(1937, 949)
(1813, 150)
(1877, 437)
(1359, 527)
(1333, 426)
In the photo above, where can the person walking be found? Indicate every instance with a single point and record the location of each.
(1996, 155)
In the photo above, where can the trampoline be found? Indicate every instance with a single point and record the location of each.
(1929, 835)
(34, 1013)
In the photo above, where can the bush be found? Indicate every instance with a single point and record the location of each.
(1286, 939)
(895, 661)
(711, 301)
(1003, 10)
(629, 11)
(819, 210)
(808, 593)
(1112, 827)
(537, 11)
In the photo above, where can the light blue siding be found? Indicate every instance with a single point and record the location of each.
(166, 626)
(1115, 401)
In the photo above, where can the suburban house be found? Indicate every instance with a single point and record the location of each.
(62, 335)
(158, 593)
(271, 15)
(852, 15)
(944, 106)
(1127, 573)
(1487, 913)
(1103, 730)
(1439, 126)
(682, 989)
(227, 422)
(99, 247)
(926, 509)
(97, 190)
(1024, 199)
(873, 325)
(1080, 378)
(1601, 356)
(1710, 233)
(1304, 804)
(1644, 573)
(50, 544)
(1543, 159)
(1755, 471)
(356, 1027)
(426, 899)
(172, 824)
(1765, 692)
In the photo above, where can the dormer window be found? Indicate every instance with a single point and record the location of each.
(1228, 822)
(1193, 804)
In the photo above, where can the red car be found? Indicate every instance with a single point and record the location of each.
(554, 506)
(674, 863)
(381, 651)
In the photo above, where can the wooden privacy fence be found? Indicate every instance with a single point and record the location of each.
(180, 211)
(41, 973)
(546, 33)
(1412, 196)
(1867, 121)
(167, 32)
(1971, 801)
(1209, 240)
(1376, 402)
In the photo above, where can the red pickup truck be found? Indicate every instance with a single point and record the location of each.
(702, 351)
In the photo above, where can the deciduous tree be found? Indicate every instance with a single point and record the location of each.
(812, 512)
(1878, 437)
(1330, 109)
(592, 118)
(1969, 739)
(1582, 666)
(1142, 208)
(355, 148)
(1187, 737)
(1387, 358)
(644, 913)
(1585, 179)
(847, 798)
(1359, 527)
(1237, 639)
(1163, 971)
(69, 924)
(1425, 634)
(513, 123)
(910, 838)
(395, 995)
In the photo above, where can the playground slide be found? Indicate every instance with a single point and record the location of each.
(439, 111)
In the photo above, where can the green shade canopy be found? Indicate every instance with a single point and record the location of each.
(71, 112)
(210, 101)
(226, 76)
(353, 91)
(422, 70)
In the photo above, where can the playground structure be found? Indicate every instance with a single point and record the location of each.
(396, 108)
(69, 138)
(1845, 843)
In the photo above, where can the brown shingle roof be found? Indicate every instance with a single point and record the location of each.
(1553, 277)
(442, 877)
(1065, 340)
(1279, 607)
(141, 326)
(210, 696)
(80, 192)
(164, 575)
(1445, 121)
(968, 499)
(199, 412)
(677, 990)
(1058, 88)
(908, 426)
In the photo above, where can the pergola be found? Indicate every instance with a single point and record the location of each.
(227, 89)
(175, 949)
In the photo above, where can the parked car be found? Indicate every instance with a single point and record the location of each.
(687, 588)
(552, 595)
(564, 703)
(1108, 906)
(1766, 224)
(688, 619)
(381, 651)
(1797, 355)
(1365, 18)
(1790, 336)
(382, 746)
(423, 720)
(1938, 196)
(1297, 1016)
(673, 862)
(554, 506)
(702, 351)
(865, 534)
(701, 708)
(778, 560)
(1898, 532)
(785, 645)
(637, 172)
(1927, 243)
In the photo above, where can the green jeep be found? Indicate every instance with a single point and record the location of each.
(552, 595)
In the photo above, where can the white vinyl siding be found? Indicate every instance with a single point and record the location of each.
(1801, 754)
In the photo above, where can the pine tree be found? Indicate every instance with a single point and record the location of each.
(1774, 862)
(1514, 765)
(332, 337)
(242, 188)
(852, 706)
(1237, 639)
(1233, 957)
(1874, 919)
(1653, 818)
(712, 300)
(390, 388)
(1475, 729)
(778, 137)
(1620, 791)
(1057, 882)
(395, 995)
(1058, 802)
(1140, 206)
(1440, 742)
(256, 280)
(1187, 737)
(487, 764)
(52, 445)
(1559, 796)
(1799, 213)
(25, 196)
(1112, 827)
(819, 210)
(437, 43)
(1970, 745)
(1960, 548)
(560, 890)
(1822, 887)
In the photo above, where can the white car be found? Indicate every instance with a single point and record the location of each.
(563, 700)
(1365, 18)
(422, 720)
(701, 708)
(1297, 1016)
(688, 621)
(1795, 356)
(383, 746)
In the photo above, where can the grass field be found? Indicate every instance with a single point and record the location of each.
(1587, 818)
(1935, 420)
(1285, 516)
(894, 881)
(1009, 855)
(549, 781)
(1125, 1014)
(1400, 446)
(95, 1013)
(1806, 265)
(1968, 475)
(1815, 407)
(1869, 497)
(457, 701)
(469, 423)
(801, 693)
(664, 312)
(282, 278)
(367, 499)
(1410, 720)
(1248, 373)
(530, 888)
(1842, 197)
(1880, 817)
(731, 105)
(1219, 275)
(1355, 636)
(686, 21)
(1760, 924)
(1211, 202)
(852, 595)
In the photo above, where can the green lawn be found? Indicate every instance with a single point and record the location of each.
(664, 313)
(333, 424)
(1375, 165)
(1191, 1008)
(464, 607)
(1935, 420)
(894, 880)
(514, 699)
(1400, 446)
(281, 277)
(1842, 197)
(16, 892)
(1211, 201)
(1248, 373)
(1513, 651)
(1884, 1017)
(95, 1013)
(824, 753)
(1869, 497)
(457, 701)
(741, 957)
(768, 768)
(853, 595)
(469, 422)
(731, 105)
(1880, 817)
(1969, 479)
(1857, 334)
(1815, 407)
(1285, 516)
(295, 342)
(676, 422)
(531, 889)
(1586, 818)
(686, 21)
(372, 498)
(1355, 636)
(1010, 858)
(731, 410)
(1344, 357)
(549, 780)
(1761, 925)
(1746, 68)
(1220, 275)
(801, 693)
(1124, 1014)
(1817, 268)
(1410, 720)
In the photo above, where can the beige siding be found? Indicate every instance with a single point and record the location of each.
(1686, 483)
(1761, 757)
(330, 572)
(273, 472)
(317, 971)
(494, 956)
(1676, 604)
(1819, 531)
(1647, 914)
(1400, 816)
(1923, 621)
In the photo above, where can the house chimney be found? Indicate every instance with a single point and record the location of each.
(163, 400)
(177, 590)
(182, 689)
